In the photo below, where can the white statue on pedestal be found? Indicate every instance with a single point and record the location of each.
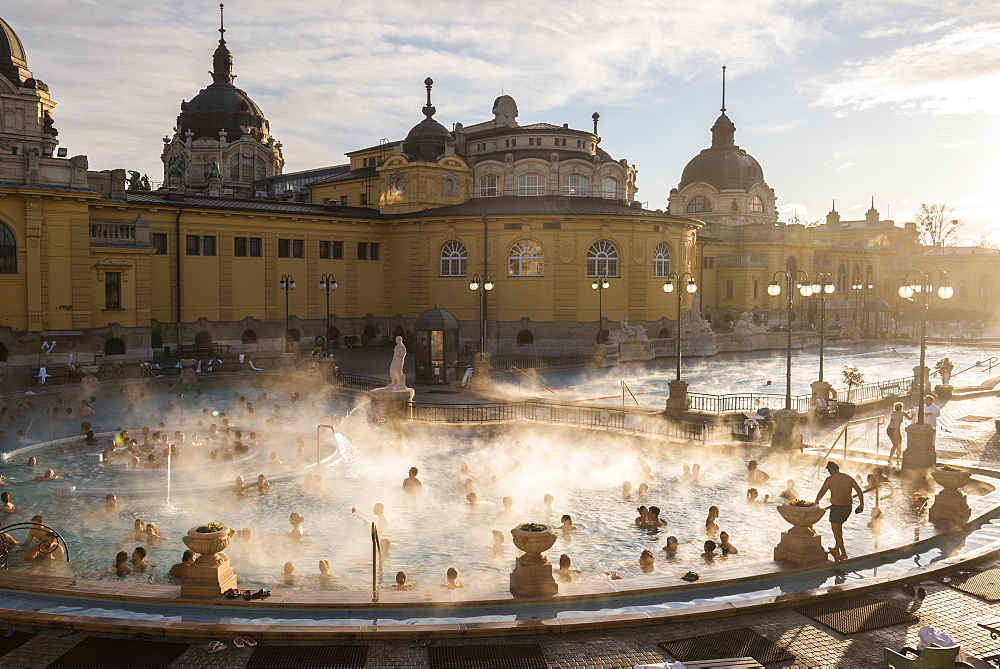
(627, 332)
(397, 379)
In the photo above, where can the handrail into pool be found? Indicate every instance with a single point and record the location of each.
(843, 433)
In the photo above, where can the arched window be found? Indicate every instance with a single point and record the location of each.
(249, 337)
(842, 278)
(371, 331)
(203, 337)
(698, 204)
(531, 184)
(114, 347)
(602, 259)
(664, 334)
(526, 258)
(986, 290)
(489, 186)
(610, 188)
(576, 185)
(870, 277)
(293, 335)
(756, 206)
(661, 261)
(261, 168)
(234, 166)
(525, 338)
(454, 258)
(332, 334)
(791, 264)
(8, 251)
(247, 168)
(963, 290)
(156, 340)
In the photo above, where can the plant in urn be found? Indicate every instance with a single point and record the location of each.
(532, 575)
(211, 574)
(801, 544)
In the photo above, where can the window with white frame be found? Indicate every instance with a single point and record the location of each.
(756, 206)
(489, 186)
(454, 258)
(576, 185)
(531, 184)
(661, 261)
(602, 259)
(526, 258)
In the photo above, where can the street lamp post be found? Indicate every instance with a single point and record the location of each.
(673, 285)
(287, 284)
(482, 283)
(774, 289)
(599, 284)
(857, 287)
(925, 287)
(327, 284)
(822, 285)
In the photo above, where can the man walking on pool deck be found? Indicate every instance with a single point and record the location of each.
(841, 487)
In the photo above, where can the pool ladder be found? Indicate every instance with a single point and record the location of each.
(376, 561)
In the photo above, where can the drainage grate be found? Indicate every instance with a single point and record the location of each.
(743, 642)
(9, 643)
(103, 653)
(296, 657)
(851, 615)
(488, 656)
(985, 584)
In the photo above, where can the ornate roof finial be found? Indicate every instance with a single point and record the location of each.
(723, 89)
(222, 24)
(596, 117)
(222, 61)
(873, 201)
(429, 109)
(833, 207)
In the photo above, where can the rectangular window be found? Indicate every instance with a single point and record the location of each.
(291, 248)
(298, 248)
(208, 246)
(364, 199)
(193, 245)
(112, 290)
(709, 263)
(343, 200)
(160, 243)
(247, 168)
(756, 286)
(367, 251)
(234, 167)
(261, 168)
(246, 247)
(331, 250)
(283, 248)
(729, 289)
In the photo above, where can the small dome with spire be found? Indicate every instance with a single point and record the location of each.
(13, 62)
(427, 140)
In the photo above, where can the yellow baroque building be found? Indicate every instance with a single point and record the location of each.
(105, 268)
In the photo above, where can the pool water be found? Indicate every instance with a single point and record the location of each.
(749, 372)
(427, 531)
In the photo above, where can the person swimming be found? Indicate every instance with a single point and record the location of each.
(724, 546)
(547, 502)
(324, 572)
(295, 520)
(626, 490)
(497, 539)
(49, 475)
(412, 483)
(451, 577)
(5, 504)
(380, 518)
(654, 517)
(646, 560)
(262, 483)
(507, 514)
(789, 492)
(402, 581)
(121, 567)
(567, 523)
(643, 518)
(289, 573)
(138, 559)
(670, 549)
(752, 495)
(755, 475)
(710, 553)
(713, 515)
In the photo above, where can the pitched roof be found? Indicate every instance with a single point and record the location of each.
(545, 204)
(155, 198)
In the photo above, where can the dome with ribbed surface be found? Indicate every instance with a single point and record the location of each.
(435, 319)
(723, 165)
(13, 62)
(427, 140)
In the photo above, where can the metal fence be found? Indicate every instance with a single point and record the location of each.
(878, 390)
(563, 414)
(505, 363)
(748, 402)
(355, 382)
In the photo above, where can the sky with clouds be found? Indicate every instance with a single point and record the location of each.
(840, 99)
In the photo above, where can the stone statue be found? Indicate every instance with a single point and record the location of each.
(134, 180)
(214, 172)
(746, 325)
(397, 379)
(144, 183)
(177, 170)
(692, 323)
(627, 333)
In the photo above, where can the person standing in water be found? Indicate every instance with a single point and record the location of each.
(842, 489)
(894, 430)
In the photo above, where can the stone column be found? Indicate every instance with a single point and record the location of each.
(915, 388)
(677, 400)
(919, 454)
(786, 436)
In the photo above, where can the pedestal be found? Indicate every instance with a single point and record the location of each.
(187, 375)
(90, 384)
(801, 544)
(915, 388)
(950, 505)
(919, 454)
(786, 436)
(389, 404)
(211, 574)
(481, 371)
(677, 401)
(532, 580)
(820, 390)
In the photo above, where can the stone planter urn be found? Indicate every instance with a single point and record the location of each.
(532, 575)
(211, 574)
(950, 505)
(943, 391)
(187, 375)
(89, 381)
(801, 544)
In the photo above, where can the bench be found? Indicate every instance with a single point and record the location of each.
(889, 390)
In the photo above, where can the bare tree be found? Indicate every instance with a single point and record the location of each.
(934, 226)
(986, 242)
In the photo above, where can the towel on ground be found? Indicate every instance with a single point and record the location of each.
(42, 375)
(928, 636)
(661, 665)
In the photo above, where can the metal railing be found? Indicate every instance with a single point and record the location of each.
(355, 382)
(564, 414)
(748, 402)
(505, 363)
(876, 390)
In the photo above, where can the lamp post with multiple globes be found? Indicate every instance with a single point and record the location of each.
(481, 283)
(599, 284)
(786, 433)
(287, 284)
(673, 284)
(328, 284)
